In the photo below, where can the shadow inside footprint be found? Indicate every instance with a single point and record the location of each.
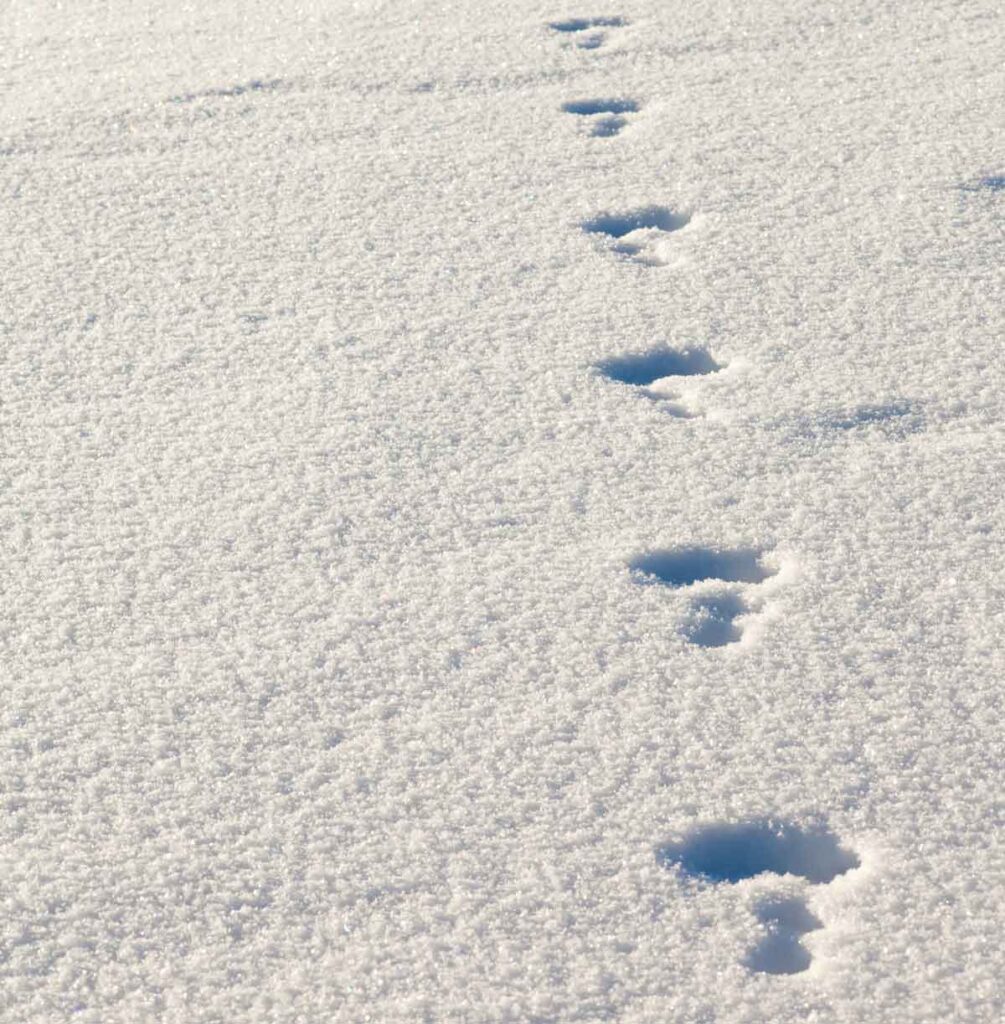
(680, 567)
(642, 368)
(639, 234)
(587, 108)
(731, 853)
(608, 115)
(584, 24)
(607, 127)
(617, 225)
(786, 921)
(712, 620)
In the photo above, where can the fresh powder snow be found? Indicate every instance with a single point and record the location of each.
(502, 512)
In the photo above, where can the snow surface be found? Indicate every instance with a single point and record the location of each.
(371, 649)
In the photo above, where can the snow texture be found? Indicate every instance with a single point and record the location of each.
(502, 512)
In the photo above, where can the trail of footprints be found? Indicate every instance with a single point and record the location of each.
(780, 864)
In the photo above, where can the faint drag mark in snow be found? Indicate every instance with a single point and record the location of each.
(729, 595)
(662, 364)
(251, 322)
(901, 415)
(255, 85)
(894, 420)
(585, 31)
(989, 183)
(607, 117)
(734, 853)
(639, 235)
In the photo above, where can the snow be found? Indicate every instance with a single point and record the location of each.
(379, 617)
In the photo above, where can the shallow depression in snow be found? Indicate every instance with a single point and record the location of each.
(712, 620)
(781, 951)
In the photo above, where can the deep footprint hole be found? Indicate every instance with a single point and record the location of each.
(617, 225)
(582, 24)
(586, 108)
(642, 368)
(680, 567)
(733, 852)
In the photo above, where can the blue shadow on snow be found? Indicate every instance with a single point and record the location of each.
(731, 853)
(582, 24)
(586, 108)
(642, 368)
(618, 225)
(681, 567)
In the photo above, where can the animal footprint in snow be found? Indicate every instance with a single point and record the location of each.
(655, 371)
(606, 117)
(639, 235)
(733, 853)
(586, 31)
(720, 601)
